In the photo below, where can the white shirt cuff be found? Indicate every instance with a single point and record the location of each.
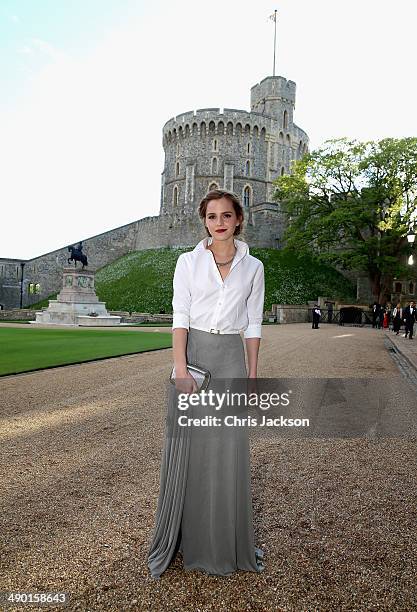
(253, 331)
(180, 320)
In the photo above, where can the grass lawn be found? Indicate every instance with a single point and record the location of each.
(25, 349)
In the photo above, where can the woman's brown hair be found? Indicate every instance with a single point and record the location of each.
(217, 194)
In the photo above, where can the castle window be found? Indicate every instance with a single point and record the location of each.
(281, 138)
(175, 196)
(213, 186)
(398, 288)
(285, 120)
(247, 168)
(248, 147)
(214, 165)
(229, 129)
(282, 171)
(177, 168)
(220, 128)
(37, 288)
(246, 196)
(215, 144)
(411, 288)
(178, 149)
(288, 140)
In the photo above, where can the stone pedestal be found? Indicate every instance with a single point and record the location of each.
(76, 303)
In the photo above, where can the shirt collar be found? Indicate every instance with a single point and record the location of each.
(242, 248)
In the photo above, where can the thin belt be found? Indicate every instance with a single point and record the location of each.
(213, 331)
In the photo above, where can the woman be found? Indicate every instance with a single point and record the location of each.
(397, 315)
(205, 502)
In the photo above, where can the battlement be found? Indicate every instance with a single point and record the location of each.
(274, 86)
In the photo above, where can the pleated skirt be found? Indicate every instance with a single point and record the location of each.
(204, 509)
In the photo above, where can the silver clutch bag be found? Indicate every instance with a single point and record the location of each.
(201, 376)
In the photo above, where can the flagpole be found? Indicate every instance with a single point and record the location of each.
(275, 36)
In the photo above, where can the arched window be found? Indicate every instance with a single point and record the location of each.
(248, 147)
(246, 196)
(213, 186)
(177, 168)
(411, 288)
(282, 171)
(214, 165)
(37, 288)
(220, 128)
(288, 140)
(285, 120)
(229, 129)
(175, 196)
(247, 168)
(215, 144)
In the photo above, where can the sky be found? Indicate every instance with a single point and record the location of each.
(87, 85)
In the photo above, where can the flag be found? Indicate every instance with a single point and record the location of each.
(273, 17)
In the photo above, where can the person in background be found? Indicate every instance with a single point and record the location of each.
(409, 315)
(397, 315)
(381, 314)
(375, 313)
(316, 317)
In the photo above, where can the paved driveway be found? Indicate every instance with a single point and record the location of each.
(81, 454)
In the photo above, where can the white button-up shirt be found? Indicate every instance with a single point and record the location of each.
(202, 299)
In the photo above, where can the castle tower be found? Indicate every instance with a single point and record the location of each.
(274, 97)
(242, 151)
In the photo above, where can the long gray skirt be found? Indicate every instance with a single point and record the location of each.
(205, 501)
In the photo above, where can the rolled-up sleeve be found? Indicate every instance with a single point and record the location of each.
(255, 305)
(181, 301)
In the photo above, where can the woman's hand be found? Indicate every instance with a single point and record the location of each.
(185, 383)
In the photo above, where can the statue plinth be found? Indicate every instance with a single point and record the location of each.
(77, 303)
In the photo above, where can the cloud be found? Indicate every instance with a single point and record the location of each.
(26, 50)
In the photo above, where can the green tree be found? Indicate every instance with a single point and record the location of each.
(352, 204)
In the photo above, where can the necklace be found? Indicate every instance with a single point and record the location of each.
(224, 263)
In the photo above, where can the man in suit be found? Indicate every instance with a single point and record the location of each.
(409, 314)
(316, 316)
(375, 313)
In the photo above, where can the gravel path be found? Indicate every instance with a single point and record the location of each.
(81, 450)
